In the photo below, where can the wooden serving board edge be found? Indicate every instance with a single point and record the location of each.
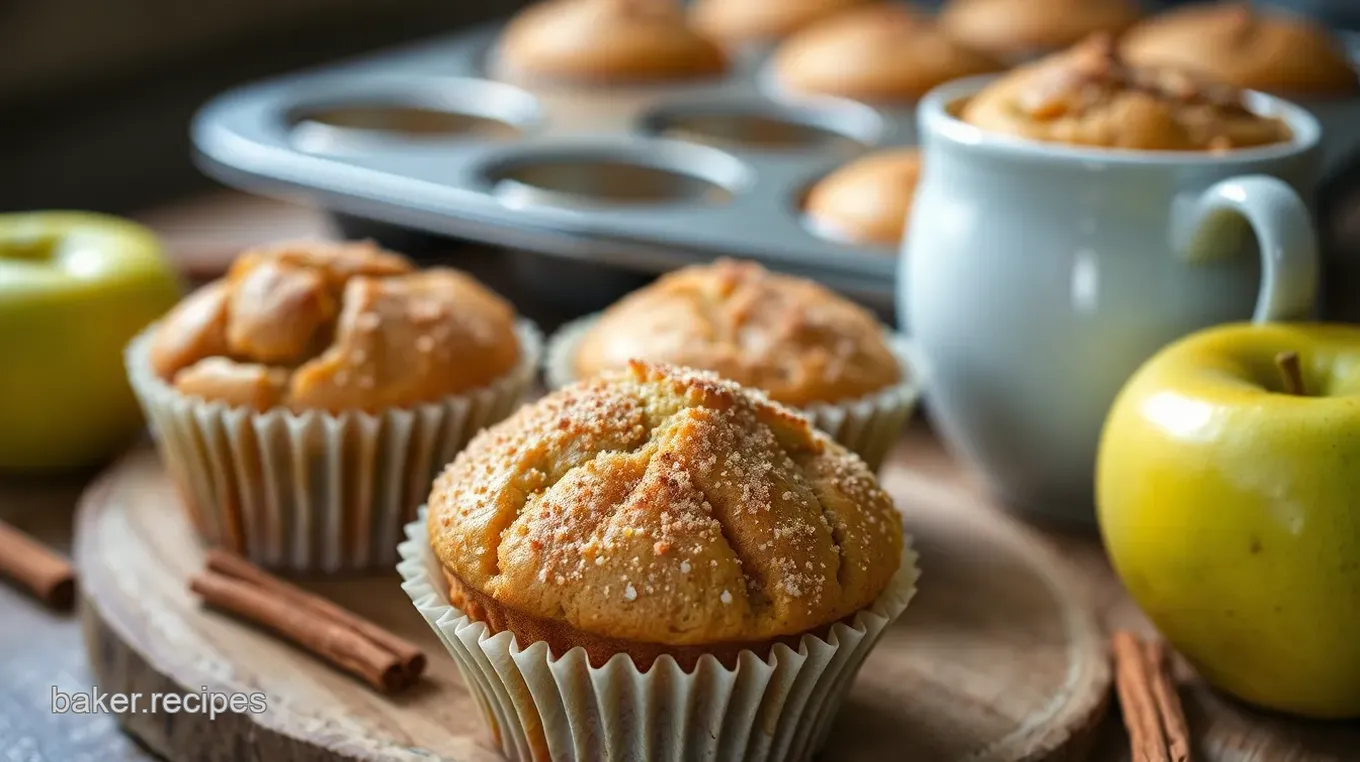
(122, 664)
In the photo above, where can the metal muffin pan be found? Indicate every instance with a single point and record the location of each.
(643, 178)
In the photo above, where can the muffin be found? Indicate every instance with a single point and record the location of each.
(761, 21)
(791, 338)
(881, 53)
(868, 200)
(303, 402)
(1088, 96)
(1018, 29)
(606, 42)
(1253, 49)
(627, 569)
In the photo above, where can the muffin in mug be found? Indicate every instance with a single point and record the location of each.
(606, 42)
(791, 338)
(882, 53)
(1088, 96)
(868, 200)
(627, 569)
(1264, 50)
(1017, 30)
(303, 402)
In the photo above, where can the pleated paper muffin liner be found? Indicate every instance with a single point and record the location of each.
(867, 425)
(314, 490)
(777, 708)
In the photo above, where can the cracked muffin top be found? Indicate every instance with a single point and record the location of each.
(1015, 29)
(666, 506)
(1256, 49)
(740, 21)
(334, 326)
(1088, 96)
(882, 53)
(792, 338)
(607, 41)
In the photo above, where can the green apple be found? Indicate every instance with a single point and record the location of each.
(1228, 491)
(74, 288)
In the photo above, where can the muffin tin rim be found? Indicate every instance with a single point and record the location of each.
(242, 139)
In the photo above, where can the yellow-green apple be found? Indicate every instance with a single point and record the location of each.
(74, 288)
(1228, 491)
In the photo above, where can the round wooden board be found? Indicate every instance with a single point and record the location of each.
(996, 659)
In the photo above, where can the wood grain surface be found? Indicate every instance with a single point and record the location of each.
(997, 659)
(40, 651)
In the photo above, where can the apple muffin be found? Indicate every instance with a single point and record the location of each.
(658, 524)
(880, 53)
(868, 200)
(789, 337)
(304, 400)
(606, 42)
(1015, 30)
(1089, 96)
(1254, 49)
(761, 21)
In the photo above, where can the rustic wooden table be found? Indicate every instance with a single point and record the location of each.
(41, 651)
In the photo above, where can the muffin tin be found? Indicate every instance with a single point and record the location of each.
(638, 177)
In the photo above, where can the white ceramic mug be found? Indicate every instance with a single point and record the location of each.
(1036, 277)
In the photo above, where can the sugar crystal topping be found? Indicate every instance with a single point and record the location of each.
(696, 505)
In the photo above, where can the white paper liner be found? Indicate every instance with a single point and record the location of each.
(314, 491)
(562, 709)
(867, 425)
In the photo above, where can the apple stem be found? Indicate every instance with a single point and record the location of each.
(1291, 372)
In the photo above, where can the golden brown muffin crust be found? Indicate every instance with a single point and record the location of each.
(1018, 28)
(607, 41)
(334, 326)
(881, 53)
(665, 506)
(789, 337)
(740, 21)
(868, 200)
(1088, 96)
(1259, 50)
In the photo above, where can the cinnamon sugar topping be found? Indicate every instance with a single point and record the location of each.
(712, 513)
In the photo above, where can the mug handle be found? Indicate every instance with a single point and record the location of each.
(1284, 231)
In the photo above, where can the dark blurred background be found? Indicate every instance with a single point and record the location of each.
(95, 95)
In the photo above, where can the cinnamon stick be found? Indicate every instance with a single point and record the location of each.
(1147, 697)
(1168, 701)
(340, 645)
(46, 575)
(231, 565)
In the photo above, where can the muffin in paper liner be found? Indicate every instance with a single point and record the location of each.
(868, 425)
(314, 490)
(543, 708)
